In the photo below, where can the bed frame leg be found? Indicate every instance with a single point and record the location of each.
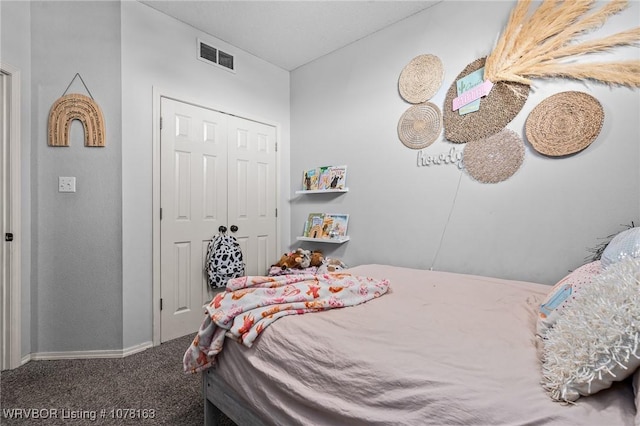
(212, 414)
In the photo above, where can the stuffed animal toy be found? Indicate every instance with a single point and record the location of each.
(303, 258)
(316, 258)
(284, 261)
(330, 266)
(299, 259)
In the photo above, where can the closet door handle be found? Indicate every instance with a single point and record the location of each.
(234, 228)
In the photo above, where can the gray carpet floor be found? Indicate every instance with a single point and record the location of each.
(151, 380)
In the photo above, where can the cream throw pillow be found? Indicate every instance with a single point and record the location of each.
(596, 340)
(564, 293)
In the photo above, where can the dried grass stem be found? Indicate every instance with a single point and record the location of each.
(539, 44)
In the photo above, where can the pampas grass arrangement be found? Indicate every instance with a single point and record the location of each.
(539, 44)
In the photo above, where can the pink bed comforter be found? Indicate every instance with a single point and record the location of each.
(439, 348)
(250, 304)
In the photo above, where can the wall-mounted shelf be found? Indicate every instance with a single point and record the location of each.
(332, 227)
(320, 191)
(325, 240)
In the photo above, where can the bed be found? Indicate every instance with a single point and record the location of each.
(437, 348)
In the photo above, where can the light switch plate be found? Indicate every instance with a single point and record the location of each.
(66, 184)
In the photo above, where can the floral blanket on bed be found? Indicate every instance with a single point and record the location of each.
(251, 303)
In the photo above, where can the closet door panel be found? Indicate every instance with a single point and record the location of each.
(252, 202)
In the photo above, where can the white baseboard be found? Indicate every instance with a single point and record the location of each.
(115, 353)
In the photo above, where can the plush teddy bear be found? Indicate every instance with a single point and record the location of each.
(316, 258)
(284, 262)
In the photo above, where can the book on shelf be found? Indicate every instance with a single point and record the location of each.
(310, 179)
(326, 226)
(337, 177)
(313, 227)
(335, 225)
(324, 181)
(325, 178)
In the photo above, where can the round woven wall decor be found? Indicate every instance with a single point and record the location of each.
(564, 123)
(494, 159)
(75, 106)
(497, 109)
(420, 125)
(421, 79)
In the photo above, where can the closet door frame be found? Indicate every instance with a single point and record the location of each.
(11, 212)
(159, 93)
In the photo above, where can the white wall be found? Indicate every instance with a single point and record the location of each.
(76, 237)
(71, 272)
(535, 226)
(158, 51)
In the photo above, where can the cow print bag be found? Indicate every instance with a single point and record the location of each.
(224, 260)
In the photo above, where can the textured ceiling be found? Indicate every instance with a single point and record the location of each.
(289, 34)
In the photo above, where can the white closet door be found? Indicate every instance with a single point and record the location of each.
(216, 170)
(252, 191)
(193, 195)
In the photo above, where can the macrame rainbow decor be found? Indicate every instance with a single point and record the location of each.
(75, 106)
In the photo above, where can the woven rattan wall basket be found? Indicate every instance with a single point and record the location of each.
(420, 125)
(497, 109)
(564, 123)
(421, 79)
(75, 106)
(495, 158)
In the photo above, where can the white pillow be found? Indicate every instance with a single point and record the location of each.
(625, 244)
(596, 340)
(563, 294)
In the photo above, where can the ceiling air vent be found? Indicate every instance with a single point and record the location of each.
(211, 55)
(225, 60)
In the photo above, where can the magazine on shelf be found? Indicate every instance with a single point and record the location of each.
(314, 225)
(310, 180)
(335, 225)
(337, 177)
(324, 174)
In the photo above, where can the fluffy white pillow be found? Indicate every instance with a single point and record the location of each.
(563, 293)
(596, 341)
